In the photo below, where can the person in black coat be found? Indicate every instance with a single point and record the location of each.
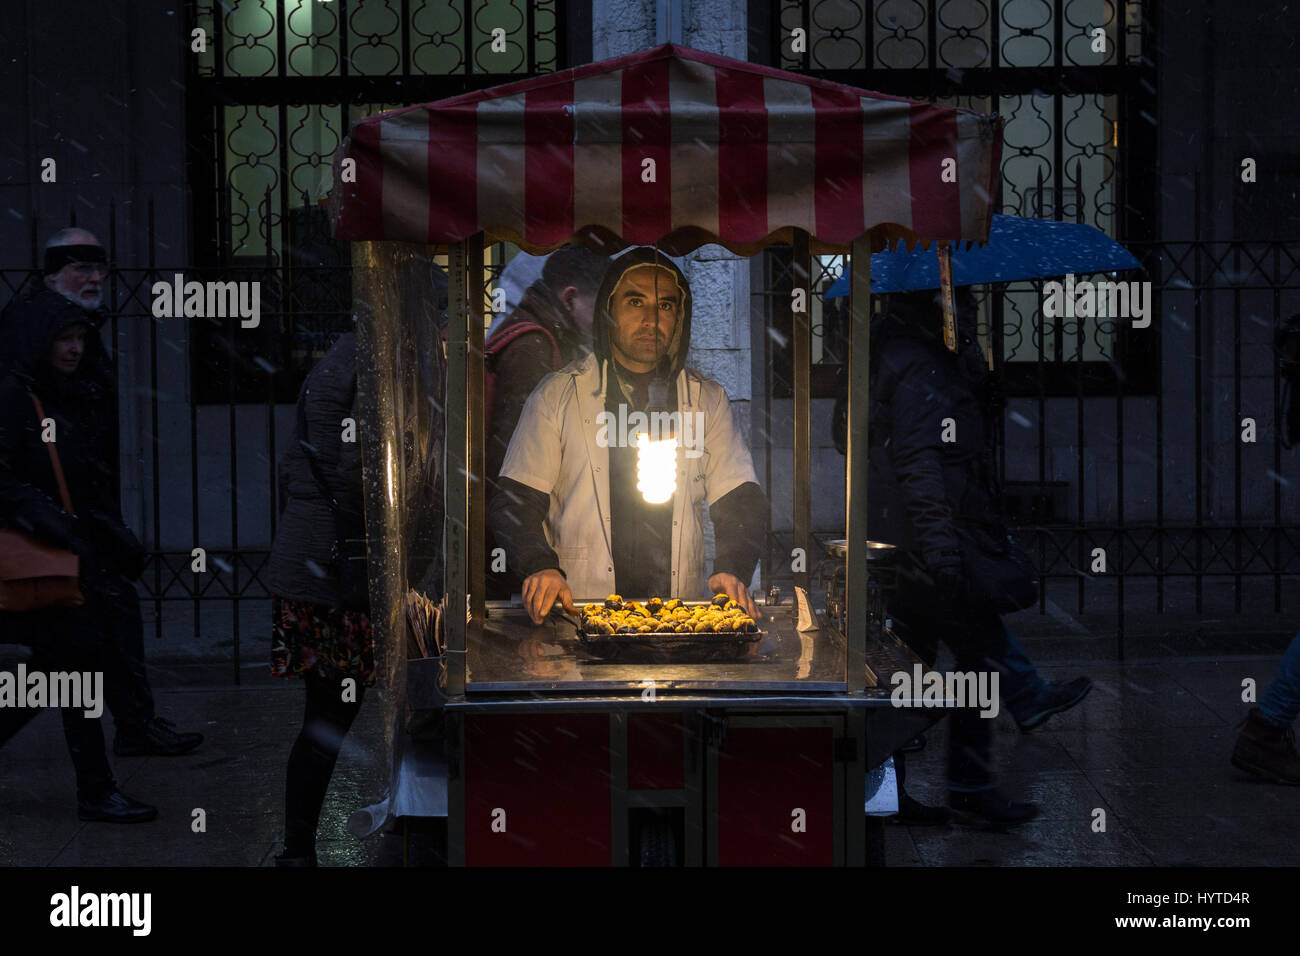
(932, 472)
(55, 353)
(317, 576)
(84, 397)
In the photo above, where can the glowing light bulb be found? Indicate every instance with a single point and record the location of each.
(656, 468)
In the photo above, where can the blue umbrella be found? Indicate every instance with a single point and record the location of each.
(1018, 248)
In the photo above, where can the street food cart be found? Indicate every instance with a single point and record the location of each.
(554, 757)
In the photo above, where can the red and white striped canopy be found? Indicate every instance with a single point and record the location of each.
(743, 155)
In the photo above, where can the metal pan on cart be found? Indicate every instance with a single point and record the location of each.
(666, 647)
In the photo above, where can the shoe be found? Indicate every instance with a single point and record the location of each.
(115, 807)
(913, 813)
(990, 808)
(1054, 697)
(1267, 750)
(284, 860)
(157, 739)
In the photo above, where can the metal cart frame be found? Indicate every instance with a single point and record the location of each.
(867, 728)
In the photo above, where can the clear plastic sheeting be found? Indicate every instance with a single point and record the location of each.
(419, 789)
(882, 790)
(400, 387)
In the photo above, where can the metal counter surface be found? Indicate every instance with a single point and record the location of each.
(512, 654)
(518, 667)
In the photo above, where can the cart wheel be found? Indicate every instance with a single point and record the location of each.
(658, 843)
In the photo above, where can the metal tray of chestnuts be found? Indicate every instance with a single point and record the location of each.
(675, 631)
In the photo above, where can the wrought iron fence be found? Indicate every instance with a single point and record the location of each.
(1075, 82)
(1187, 513)
(1147, 497)
(200, 463)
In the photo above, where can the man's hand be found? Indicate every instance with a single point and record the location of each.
(542, 590)
(732, 587)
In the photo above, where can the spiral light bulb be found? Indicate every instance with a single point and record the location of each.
(656, 468)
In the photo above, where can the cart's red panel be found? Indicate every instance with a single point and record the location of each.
(765, 774)
(655, 752)
(537, 790)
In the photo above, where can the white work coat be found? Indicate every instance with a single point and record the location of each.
(555, 451)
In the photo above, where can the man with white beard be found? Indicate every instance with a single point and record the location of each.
(75, 269)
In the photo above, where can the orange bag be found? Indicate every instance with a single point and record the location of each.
(35, 575)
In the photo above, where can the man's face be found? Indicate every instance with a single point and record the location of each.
(80, 282)
(646, 307)
(67, 348)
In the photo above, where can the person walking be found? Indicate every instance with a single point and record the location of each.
(1266, 744)
(72, 291)
(1029, 698)
(319, 597)
(931, 482)
(57, 417)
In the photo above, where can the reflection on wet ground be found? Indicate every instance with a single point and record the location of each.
(1149, 746)
(236, 777)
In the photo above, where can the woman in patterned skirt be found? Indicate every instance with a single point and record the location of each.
(317, 578)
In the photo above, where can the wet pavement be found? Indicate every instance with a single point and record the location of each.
(236, 777)
(1149, 747)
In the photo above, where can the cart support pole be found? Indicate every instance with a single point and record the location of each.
(457, 486)
(855, 496)
(802, 402)
(477, 466)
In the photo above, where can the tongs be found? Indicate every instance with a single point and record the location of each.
(558, 608)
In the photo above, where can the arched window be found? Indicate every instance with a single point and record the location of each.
(270, 96)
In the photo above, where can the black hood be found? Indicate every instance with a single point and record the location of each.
(674, 359)
(31, 324)
(919, 315)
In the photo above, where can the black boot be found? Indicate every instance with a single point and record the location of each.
(1267, 750)
(1055, 697)
(156, 739)
(115, 807)
(990, 808)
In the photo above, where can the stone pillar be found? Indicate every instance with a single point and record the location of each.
(720, 341)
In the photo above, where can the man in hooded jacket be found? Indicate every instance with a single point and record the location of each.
(568, 511)
(80, 395)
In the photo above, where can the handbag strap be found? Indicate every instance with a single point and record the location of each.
(54, 459)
